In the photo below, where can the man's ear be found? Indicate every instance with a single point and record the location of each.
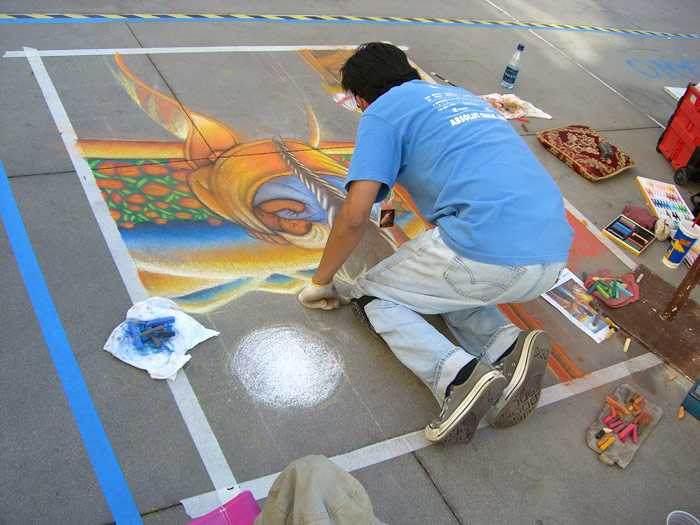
(361, 102)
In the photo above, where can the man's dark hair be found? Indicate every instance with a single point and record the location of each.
(374, 69)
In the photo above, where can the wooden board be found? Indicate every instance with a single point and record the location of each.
(676, 342)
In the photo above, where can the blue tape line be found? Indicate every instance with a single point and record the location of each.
(114, 487)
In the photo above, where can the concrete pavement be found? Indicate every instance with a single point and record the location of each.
(149, 444)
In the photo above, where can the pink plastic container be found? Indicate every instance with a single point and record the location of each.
(241, 510)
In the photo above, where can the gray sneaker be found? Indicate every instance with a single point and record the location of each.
(524, 369)
(358, 308)
(466, 404)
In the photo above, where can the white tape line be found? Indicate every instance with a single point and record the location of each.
(208, 447)
(601, 377)
(170, 50)
(178, 50)
(616, 251)
(204, 438)
(401, 445)
(115, 243)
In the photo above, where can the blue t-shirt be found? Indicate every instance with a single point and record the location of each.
(468, 172)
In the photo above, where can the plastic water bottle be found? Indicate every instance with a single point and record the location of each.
(513, 68)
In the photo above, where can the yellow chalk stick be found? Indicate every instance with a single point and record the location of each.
(627, 345)
(611, 438)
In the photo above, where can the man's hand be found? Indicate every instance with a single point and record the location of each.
(323, 296)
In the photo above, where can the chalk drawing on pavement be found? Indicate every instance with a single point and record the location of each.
(208, 216)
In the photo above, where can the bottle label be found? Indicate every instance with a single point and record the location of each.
(510, 74)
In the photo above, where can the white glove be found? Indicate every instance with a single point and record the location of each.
(323, 296)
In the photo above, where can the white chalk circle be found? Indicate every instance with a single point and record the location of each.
(286, 367)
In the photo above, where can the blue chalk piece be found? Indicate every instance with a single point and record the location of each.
(135, 335)
(622, 228)
(592, 288)
(162, 320)
(624, 290)
(619, 231)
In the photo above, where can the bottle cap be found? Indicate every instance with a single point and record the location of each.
(521, 47)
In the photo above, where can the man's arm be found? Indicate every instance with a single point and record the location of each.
(347, 229)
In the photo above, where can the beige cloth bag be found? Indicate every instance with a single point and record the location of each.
(316, 491)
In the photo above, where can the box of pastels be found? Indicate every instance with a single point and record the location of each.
(628, 234)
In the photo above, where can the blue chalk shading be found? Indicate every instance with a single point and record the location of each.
(114, 487)
(277, 279)
(211, 293)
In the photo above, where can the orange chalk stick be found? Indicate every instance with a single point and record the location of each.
(605, 439)
(672, 377)
(681, 412)
(609, 442)
(639, 400)
(612, 411)
(610, 401)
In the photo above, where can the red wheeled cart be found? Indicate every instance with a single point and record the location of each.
(680, 143)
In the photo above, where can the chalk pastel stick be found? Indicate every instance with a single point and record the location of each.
(627, 222)
(624, 230)
(615, 233)
(162, 320)
(630, 227)
(641, 239)
(604, 293)
(634, 243)
(135, 335)
(625, 291)
(164, 334)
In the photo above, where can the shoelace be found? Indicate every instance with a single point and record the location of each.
(445, 407)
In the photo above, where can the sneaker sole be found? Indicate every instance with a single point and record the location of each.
(521, 396)
(359, 312)
(462, 425)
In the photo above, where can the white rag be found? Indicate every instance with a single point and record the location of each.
(163, 362)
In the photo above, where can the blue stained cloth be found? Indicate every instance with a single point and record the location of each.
(468, 172)
(165, 361)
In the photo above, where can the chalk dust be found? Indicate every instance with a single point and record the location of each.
(286, 367)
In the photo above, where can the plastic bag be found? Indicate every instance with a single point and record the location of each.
(511, 106)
